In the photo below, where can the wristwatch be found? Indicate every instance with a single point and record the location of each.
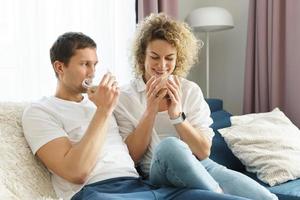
(179, 119)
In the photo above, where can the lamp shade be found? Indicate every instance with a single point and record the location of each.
(207, 19)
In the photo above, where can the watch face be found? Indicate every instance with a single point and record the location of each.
(183, 116)
(179, 119)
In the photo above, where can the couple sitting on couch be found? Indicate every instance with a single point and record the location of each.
(162, 117)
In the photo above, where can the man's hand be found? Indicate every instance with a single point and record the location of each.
(106, 95)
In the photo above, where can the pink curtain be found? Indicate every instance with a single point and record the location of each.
(273, 58)
(146, 7)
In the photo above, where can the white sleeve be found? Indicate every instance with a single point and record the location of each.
(124, 119)
(40, 127)
(198, 112)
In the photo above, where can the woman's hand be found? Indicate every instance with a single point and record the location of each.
(155, 92)
(105, 95)
(174, 92)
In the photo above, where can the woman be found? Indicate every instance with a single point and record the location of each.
(164, 118)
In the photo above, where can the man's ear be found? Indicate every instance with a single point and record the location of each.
(58, 67)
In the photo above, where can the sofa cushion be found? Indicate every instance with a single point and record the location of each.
(267, 143)
(4, 192)
(221, 119)
(21, 174)
(215, 104)
(286, 191)
(221, 154)
(219, 150)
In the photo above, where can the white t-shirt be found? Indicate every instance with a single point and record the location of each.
(51, 118)
(132, 104)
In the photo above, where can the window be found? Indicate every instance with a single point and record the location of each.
(29, 28)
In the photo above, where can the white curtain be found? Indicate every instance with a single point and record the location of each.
(28, 29)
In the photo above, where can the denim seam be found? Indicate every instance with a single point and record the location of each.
(171, 171)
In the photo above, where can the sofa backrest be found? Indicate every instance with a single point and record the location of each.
(22, 175)
(219, 150)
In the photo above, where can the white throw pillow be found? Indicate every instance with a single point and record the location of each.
(22, 175)
(267, 144)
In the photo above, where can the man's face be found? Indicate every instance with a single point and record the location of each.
(81, 66)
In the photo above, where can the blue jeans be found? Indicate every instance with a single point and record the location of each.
(173, 164)
(137, 189)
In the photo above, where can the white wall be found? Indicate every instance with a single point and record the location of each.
(227, 53)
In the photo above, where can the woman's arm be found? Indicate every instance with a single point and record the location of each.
(139, 140)
(198, 142)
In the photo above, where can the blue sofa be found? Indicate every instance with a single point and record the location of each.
(223, 155)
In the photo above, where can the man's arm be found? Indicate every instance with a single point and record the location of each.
(75, 162)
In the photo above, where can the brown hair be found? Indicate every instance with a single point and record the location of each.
(66, 45)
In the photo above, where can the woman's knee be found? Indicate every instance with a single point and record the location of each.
(173, 150)
(171, 144)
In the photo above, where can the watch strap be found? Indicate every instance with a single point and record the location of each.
(179, 119)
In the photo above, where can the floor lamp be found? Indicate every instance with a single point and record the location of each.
(209, 19)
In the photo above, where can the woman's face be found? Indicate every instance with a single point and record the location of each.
(160, 59)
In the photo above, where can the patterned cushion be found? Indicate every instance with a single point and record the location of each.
(267, 144)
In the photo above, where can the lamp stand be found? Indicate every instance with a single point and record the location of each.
(207, 64)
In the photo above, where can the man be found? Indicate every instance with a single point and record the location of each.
(77, 138)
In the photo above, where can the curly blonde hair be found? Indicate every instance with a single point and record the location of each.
(178, 34)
